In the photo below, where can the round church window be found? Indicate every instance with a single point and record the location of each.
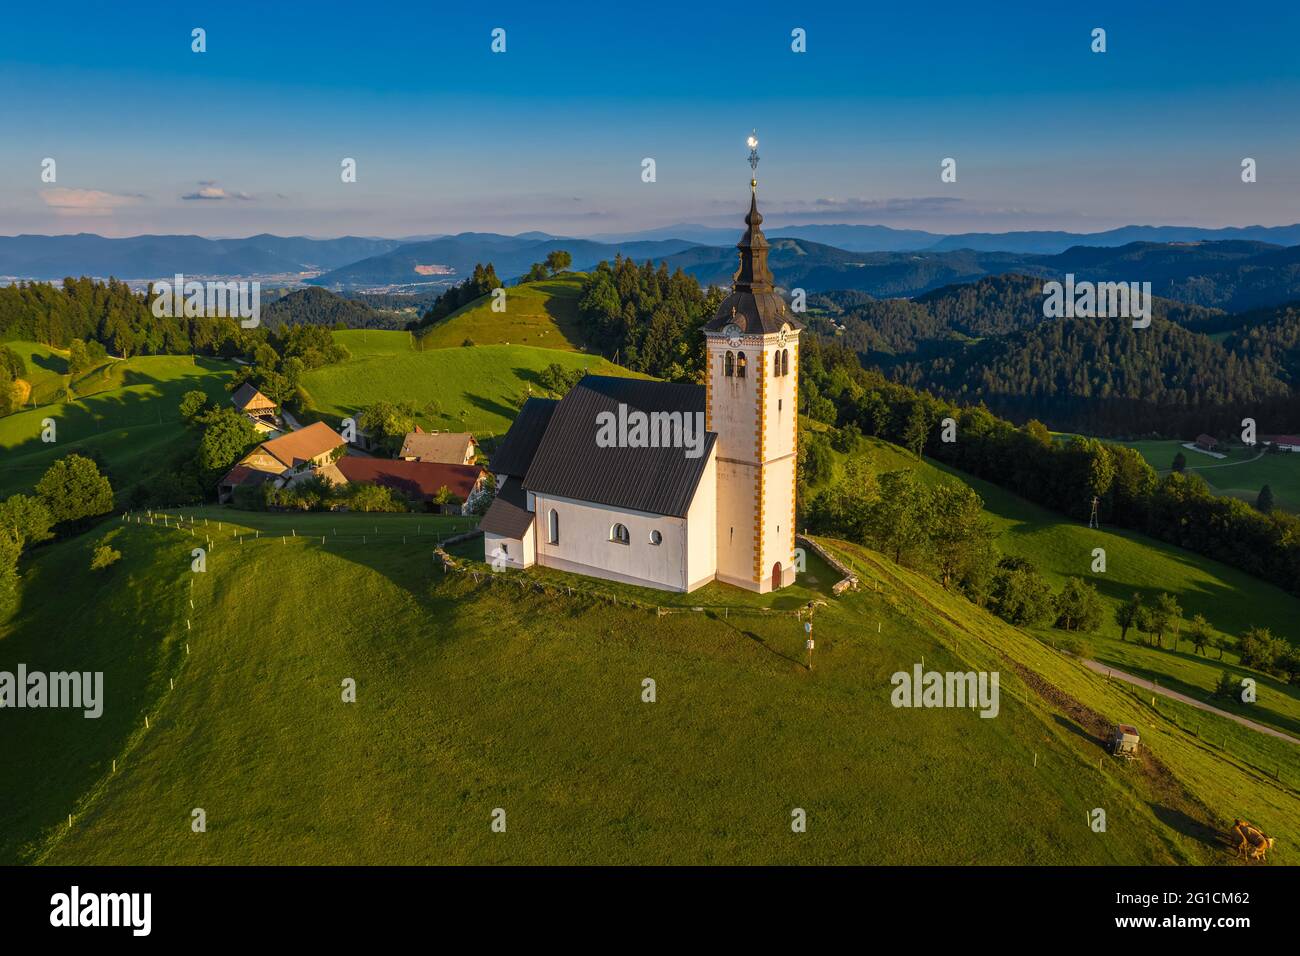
(656, 538)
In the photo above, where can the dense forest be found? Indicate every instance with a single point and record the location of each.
(316, 306)
(1178, 508)
(114, 316)
(648, 319)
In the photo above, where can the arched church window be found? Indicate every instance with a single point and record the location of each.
(785, 361)
(776, 364)
(741, 362)
(618, 534)
(730, 364)
(553, 527)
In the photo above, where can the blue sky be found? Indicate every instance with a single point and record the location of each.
(551, 134)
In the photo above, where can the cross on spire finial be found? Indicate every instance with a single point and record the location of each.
(752, 142)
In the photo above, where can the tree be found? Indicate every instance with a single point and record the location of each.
(1163, 616)
(8, 574)
(1264, 502)
(896, 524)
(104, 556)
(1128, 614)
(558, 261)
(846, 508)
(1260, 649)
(1199, 633)
(1019, 594)
(915, 430)
(1228, 687)
(1180, 463)
(227, 437)
(387, 423)
(958, 531)
(26, 519)
(72, 489)
(193, 404)
(1078, 608)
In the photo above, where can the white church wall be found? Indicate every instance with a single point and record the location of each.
(585, 546)
(702, 528)
(518, 551)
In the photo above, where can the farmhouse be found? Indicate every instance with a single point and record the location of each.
(279, 459)
(669, 508)
(1282, 442)
(256, 406)
(452, 448)
(1206, 442)
(415, 480)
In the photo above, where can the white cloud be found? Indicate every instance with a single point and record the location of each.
(85, 202)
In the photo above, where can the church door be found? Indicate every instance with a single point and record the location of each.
(776, 575)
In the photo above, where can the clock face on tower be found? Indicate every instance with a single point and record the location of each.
(732, 333)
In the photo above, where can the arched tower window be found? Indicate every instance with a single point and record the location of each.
(740, 364)
(776, 364)
(785, 361)
(553, 527)
(730, 364)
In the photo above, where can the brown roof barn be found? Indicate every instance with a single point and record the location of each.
(419, 480)
(250, 401)
(305, 445)
(452, 448)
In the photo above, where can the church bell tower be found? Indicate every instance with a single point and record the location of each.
(753, 405)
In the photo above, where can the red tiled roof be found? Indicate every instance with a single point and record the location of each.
(415, 479)
(243, 475)
(1281, 439)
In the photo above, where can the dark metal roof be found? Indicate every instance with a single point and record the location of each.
(569, 463)
(508, 515)
(516, 451)
(753, 306)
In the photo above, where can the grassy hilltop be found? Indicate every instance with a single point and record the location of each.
(478, 695)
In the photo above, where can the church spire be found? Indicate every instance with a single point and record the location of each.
(753, 274)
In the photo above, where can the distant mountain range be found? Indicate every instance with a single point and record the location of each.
(817, 256)
(154, 257)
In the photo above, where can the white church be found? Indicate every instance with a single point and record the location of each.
(663, 515)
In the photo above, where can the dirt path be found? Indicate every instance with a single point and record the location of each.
(1229, 464)
(1199, 705)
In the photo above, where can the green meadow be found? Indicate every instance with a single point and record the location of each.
(477, 692)
(543, 314)
(475, 388)
(1230, 600)
(133, 422)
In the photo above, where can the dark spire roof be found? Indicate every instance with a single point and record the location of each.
(753, 305)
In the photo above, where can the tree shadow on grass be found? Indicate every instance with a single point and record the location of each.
(493, 406)
(1190, 827)
(756, 639)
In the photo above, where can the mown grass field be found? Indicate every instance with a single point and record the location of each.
(473, 696)
(471, 388)
(542, 314)
(134, 424)
(1229, 599)
(47, 372)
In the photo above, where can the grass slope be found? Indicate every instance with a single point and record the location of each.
(1230, 600)
(544, 314)
(479, 695)
(132, 422)
(474, 388)
(47, 372)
